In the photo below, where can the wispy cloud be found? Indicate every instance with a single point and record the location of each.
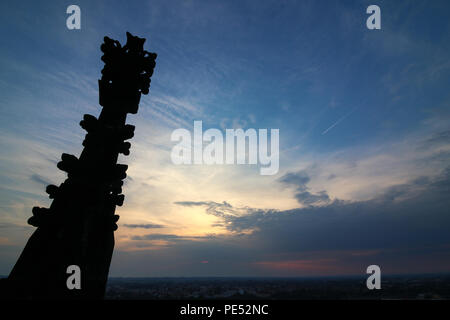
(144, 226)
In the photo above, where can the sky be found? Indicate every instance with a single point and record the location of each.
(363, 118)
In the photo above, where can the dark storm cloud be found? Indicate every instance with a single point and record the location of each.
(144, 226)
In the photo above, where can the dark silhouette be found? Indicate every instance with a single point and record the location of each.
(78, 228)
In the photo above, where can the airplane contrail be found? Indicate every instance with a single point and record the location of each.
(337, 122)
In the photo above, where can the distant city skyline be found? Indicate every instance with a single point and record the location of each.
(363, 118)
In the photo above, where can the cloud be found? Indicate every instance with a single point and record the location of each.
(7, 226)
(219, 209)
(310, 199)
(442, 137)
(410, 215)
(405, 228)
(39, 179)
(169, 237)
(144, 226)
(235, 219)
(196, 203)
(299, 180)
(405, 215)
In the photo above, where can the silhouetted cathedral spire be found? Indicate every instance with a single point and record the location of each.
(78, 228)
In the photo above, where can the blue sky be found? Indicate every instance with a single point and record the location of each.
(363, 118)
